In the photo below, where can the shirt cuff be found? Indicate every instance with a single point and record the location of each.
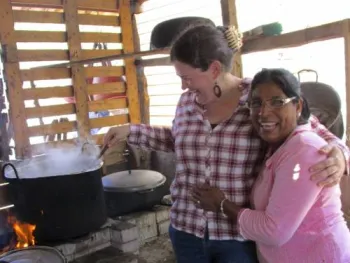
(239, 218)
(135, 133)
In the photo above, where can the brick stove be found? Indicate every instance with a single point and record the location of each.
(119, 239)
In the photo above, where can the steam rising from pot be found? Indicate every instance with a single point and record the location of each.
(59, 161)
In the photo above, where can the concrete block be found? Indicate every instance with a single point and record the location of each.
(162, 213)
(123, 232)
(129, 247)
(147, 233)
(146, 224)
(163, 227)
(109, 254)
(141, 218)
(84, 246)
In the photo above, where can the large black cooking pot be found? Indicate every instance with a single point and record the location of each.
(164, 33)
(62, 207)
(324, 102)
(132, 191)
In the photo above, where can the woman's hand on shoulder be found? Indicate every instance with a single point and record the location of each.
(330, 171)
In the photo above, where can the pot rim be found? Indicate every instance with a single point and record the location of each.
(19, 167)
(136, 189)
(51, 250)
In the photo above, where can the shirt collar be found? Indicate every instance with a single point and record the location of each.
(298, 129)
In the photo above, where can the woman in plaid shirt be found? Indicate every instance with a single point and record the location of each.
(215, 144)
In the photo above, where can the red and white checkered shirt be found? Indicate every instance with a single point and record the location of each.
(228, 157)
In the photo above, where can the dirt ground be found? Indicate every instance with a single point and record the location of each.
(157, 251)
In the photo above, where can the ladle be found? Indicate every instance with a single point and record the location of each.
(126, 153)
(103, 150)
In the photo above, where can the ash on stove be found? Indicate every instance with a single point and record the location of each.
(108, 255)
(74, 240)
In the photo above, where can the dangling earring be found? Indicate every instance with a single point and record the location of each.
(217, 90)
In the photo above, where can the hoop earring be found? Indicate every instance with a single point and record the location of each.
(217, 90)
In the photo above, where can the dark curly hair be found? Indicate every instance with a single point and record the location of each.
(200, 45)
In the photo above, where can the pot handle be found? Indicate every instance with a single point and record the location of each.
(3, 170)
(308, 70)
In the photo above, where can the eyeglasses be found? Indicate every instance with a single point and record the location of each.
(275, 103)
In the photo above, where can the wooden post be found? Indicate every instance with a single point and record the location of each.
(77, 70)
(229, 17)
(13, 80)
(5, 150)
(141, 79)
(130, 68)
(346, 32)
(345, 183)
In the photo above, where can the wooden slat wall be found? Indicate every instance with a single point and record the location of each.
(63, 30)
(11, 73)
(78, 73)
(84, 4)
(58, 18)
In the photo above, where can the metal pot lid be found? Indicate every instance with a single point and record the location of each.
(36, 254)
(133, 181)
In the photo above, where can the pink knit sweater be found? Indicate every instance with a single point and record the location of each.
(295, 221)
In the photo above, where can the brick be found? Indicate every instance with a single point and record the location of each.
(123, 232)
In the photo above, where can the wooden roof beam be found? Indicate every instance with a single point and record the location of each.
(296, 38)
(288, 40)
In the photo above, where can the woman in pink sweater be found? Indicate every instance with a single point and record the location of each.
(292, 219)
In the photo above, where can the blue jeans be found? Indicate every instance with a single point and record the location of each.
(191, 249)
